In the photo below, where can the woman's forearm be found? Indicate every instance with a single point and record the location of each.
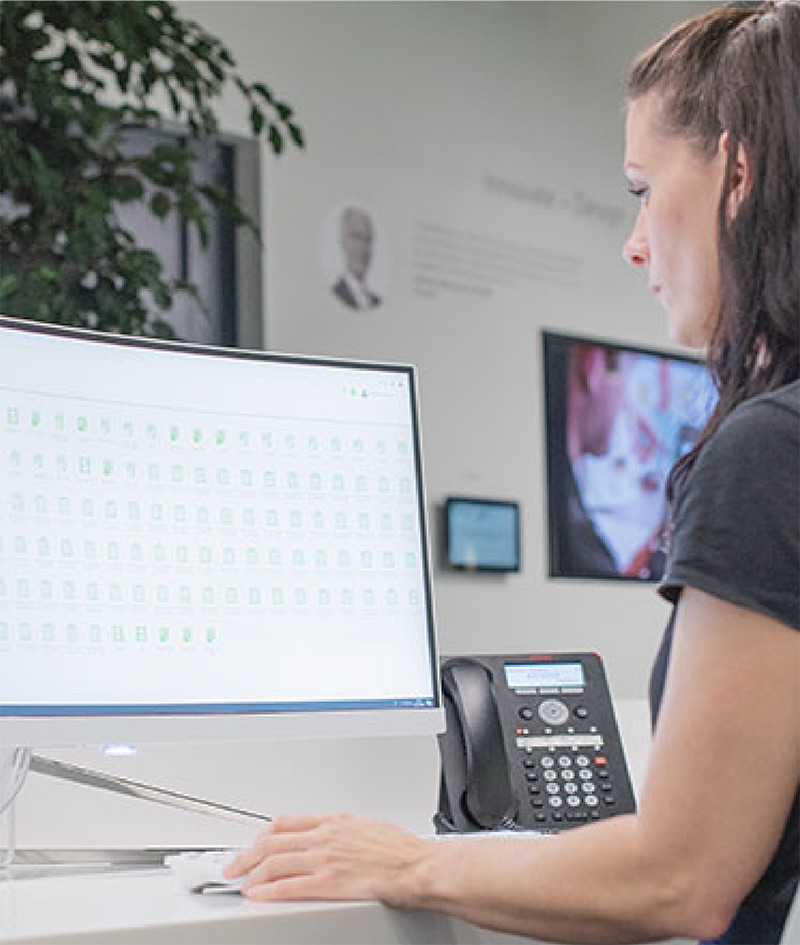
(598, 884)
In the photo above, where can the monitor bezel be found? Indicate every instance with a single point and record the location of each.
(68, 729)
(451, 502)
(554, 421)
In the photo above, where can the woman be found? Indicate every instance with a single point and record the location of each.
(713, 154)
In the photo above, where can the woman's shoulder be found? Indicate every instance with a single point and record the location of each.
(785, 399)
(764, 425)
(757, 443)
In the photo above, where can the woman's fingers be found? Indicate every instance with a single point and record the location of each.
(285, 833)
(281, 866)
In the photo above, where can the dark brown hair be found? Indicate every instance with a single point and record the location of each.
(737, 69)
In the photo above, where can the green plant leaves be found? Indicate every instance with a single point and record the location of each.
(74, 75)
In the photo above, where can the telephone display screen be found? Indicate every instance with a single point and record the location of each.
(537, 675)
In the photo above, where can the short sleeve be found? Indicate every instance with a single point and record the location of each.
(735, 529)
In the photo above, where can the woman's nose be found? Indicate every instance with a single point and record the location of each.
(636, 250)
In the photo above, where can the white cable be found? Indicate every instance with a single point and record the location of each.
(14, 763)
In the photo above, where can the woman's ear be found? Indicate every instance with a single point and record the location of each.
(741, 179)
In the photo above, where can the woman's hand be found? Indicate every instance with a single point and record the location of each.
(333, 856)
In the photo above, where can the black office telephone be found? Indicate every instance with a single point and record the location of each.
(531, 744)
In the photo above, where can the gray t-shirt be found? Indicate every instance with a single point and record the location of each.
(735, 534)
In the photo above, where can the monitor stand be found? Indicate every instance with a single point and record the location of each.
(146, 792)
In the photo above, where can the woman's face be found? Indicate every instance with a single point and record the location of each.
(675, 236)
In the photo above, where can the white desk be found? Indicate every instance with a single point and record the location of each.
(148, 906)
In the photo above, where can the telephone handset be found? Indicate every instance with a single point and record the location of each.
(488, 797)
(531, 743)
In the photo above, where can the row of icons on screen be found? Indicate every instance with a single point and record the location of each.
(70, 592)
(173, 434)
(130, 472)
(226, 516)
(227, 556)
(75, 634)
(184, 596)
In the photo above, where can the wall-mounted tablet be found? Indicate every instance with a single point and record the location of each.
(482, 534)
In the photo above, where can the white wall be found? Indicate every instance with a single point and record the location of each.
(408, 107)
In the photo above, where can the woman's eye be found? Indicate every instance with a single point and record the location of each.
(641, 193)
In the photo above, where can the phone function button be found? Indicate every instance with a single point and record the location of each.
(580, 712)
(526, 713)
(553, 712)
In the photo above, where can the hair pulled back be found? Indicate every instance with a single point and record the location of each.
(736, 69)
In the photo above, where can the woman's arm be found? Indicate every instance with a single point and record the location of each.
(722, 776)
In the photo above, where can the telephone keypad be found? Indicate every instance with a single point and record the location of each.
(578, 782)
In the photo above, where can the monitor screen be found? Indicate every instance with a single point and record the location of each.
(618, 417)
(205, 543)
(482, 534)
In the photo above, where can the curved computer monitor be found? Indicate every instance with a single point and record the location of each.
(200, 543)
(618, 417)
